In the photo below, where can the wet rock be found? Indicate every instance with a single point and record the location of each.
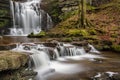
(107, 76)
(19, 74)
(26, 48)
(7, 47)
(28, 73)
(48, 44)
(116, 77)
(82, 43)
(12, 60)
(101, 76)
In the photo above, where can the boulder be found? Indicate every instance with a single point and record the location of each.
(10, 60)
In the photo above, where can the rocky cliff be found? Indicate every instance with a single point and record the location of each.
(60, 10)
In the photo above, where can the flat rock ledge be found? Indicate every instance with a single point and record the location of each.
(10, 60)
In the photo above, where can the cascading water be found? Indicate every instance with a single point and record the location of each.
(40, 55)
(93, 49)
(28, 17)
(68, 50)
(40, 59)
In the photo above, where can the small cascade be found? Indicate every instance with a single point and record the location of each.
(37, 54)
(68, 50)
(80, 51)
(93, 49)
(49, 22)
(28, 17)
(40, 59)
(56, 53)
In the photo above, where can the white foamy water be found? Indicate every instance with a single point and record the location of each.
(40, 55)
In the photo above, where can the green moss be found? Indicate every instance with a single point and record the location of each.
(67, 15)
(4, 23)
(90, 41)
(106, 47)
(90, 37)
(116, 48)
(67, 39)
(92, 32)
(54, 10)
(3, 13)
(89, 7)
(39, 35)
(77, 32)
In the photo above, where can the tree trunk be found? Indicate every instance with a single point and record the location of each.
(83, 13)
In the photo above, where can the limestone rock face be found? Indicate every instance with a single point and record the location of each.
(12, 60)
(59, 10)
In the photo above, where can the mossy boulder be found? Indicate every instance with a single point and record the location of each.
(10, 60)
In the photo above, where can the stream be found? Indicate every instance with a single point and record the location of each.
(68, 66)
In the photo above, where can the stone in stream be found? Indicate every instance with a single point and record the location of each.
(10, 60)
(107, 76)
(28, 73)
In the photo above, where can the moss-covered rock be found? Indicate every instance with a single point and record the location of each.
(12, 60)
(39, 35)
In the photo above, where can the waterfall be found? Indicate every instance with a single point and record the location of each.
(28, 17)
(93, 49)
